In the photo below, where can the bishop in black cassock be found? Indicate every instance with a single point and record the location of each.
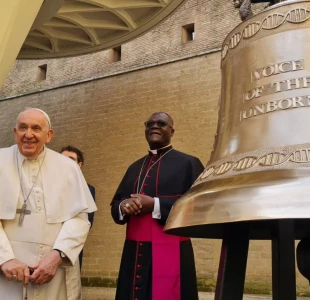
(155, 265)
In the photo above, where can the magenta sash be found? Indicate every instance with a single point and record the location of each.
(165, 256)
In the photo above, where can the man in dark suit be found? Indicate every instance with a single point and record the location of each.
(77, 155)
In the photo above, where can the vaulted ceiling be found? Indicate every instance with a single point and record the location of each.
(73, 27)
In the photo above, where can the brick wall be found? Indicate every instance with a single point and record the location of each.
(213, 21)
(100, 108)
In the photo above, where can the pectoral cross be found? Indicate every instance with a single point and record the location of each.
(22, 211)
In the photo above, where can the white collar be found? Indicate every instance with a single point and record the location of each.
(155, 150)
(21, 158)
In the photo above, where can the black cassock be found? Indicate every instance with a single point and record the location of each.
(167, 178)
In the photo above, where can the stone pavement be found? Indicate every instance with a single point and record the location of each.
(97, 293)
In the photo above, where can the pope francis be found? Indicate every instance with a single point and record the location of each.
(44, 202)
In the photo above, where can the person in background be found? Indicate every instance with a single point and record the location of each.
(77, 155)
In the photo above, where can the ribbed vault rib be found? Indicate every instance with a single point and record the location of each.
(83, 26)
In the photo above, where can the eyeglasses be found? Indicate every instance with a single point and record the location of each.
(160, 123)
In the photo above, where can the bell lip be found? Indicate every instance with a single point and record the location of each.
(200, 213)
(258, 229)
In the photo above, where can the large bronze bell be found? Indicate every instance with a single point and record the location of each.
(257, 182)
(259, 168)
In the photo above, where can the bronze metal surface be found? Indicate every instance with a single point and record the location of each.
(259, 169)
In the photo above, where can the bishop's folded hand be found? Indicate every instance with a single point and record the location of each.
(131, 206)
(147, 203)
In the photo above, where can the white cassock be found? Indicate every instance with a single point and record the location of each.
(59, 202)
